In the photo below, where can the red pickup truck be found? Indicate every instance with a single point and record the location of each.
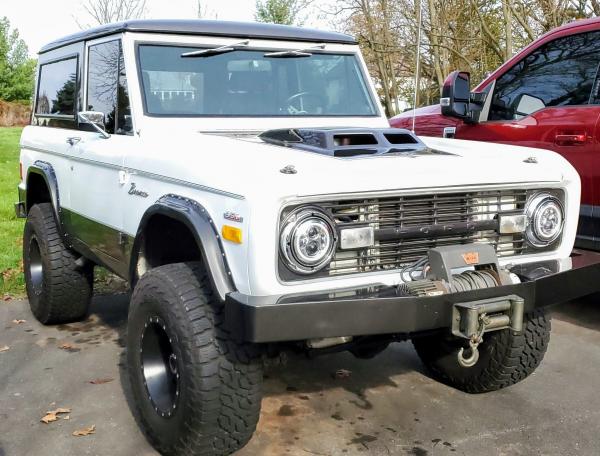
(546, 96)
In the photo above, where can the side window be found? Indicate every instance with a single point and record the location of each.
(559, 73)
(57, 88)
(107, 86)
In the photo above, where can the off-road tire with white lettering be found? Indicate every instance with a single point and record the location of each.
(58, 287)
(506, 357)
(218, 397)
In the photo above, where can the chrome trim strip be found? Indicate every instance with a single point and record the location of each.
(525, 185)
(55, 116)
(139, 172)
(174, 180)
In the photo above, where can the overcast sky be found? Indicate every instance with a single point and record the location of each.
(40, 22)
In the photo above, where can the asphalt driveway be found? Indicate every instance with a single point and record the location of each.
(387, 405)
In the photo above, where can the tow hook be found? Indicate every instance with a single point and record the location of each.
(474, 342)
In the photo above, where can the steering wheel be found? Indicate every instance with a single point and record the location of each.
(296, 103)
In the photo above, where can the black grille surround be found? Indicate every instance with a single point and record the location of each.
(407, 226)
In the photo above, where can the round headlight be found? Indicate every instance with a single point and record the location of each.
(546, 217)
(308, 240)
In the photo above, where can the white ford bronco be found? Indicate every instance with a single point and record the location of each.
(243, 179)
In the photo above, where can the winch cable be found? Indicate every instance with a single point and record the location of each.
(473, 280)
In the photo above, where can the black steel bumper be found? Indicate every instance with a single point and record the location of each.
(379, 310)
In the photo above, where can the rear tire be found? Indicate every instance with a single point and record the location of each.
(59, 290)
(208, 401)
(506, 357)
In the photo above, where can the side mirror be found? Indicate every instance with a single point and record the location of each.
(456, 95)
(96, 120)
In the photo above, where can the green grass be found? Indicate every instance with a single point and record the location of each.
(11, 228)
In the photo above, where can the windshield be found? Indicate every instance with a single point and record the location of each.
(246, 83)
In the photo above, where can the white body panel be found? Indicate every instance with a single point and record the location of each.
(242, 175)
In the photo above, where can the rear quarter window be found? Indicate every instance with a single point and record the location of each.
(57, 88)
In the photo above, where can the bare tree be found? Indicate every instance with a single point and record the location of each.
(203, 12)
(106, 11)
(471, 35)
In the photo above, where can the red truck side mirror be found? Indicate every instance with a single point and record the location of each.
(456, 95)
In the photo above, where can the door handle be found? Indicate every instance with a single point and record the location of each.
(124, 176)
(572, 139)
(73, 140)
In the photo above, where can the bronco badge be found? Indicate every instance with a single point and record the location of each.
(134, 191)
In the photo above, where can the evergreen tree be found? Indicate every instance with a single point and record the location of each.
(277, 11)
(16, 68)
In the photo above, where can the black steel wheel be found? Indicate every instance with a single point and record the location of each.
(35, 266)
(160, 367)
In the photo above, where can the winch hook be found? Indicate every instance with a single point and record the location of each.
(474, 342)
(472, 359)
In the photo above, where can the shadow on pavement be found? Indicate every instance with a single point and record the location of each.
(298, 375)
(302, 375)
(584, 312)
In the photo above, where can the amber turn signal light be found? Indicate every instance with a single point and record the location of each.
(231, 233)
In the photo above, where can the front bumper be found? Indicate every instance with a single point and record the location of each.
(379, 309)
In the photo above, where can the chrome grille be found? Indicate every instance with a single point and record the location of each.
(403, 212)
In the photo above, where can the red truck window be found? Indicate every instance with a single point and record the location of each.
(559, 73)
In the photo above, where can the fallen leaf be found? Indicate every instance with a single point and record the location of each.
(342, 373)
(18, 322)
(61, 410)
(69, 347)
(86, 431)
(101, 381)
(48, 418)
(52, 415)
(5, 348)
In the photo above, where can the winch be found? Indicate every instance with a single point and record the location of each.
(460, 268)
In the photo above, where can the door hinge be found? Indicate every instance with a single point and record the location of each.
(123, 239)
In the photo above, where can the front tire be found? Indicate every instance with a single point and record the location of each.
(59, 290)
(197, 391)
(506, 357)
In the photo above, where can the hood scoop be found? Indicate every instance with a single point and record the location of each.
(348, 142)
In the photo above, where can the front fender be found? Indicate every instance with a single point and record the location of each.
(197, 219)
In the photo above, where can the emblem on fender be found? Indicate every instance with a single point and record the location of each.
(232, 216)
(134, 191)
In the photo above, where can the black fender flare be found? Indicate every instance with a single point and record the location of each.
(197, 219)
(46, 171)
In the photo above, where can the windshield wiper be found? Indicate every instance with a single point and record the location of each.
(293, 52)
(215, 51)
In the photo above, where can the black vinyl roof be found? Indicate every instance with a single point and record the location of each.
(205, 27)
